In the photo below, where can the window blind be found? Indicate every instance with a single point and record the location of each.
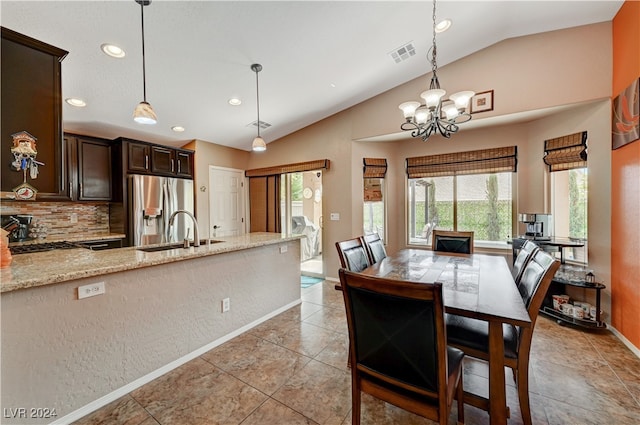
(298, 167)
(495, 160)
(374, 168)
(566, 152)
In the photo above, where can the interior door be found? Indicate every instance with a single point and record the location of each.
(226, 202)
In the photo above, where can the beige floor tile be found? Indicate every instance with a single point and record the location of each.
(318, 391)
(257, 362)
(334, 319)
(336, 353)
(200, 394)
(124, 411)
(306, 339)
(276, 413)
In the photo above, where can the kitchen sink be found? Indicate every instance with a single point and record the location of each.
(176, 245)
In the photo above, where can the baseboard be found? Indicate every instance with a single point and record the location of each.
(122, 391)
(635, 350)
(332, 279)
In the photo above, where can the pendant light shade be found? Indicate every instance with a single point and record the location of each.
(144, 113)
(258, 144)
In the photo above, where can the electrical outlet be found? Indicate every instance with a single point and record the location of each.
(91, 290)
(73, 218)
(283, 249)
(226, 305)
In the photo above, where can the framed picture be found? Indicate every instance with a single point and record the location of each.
(625, 117)
(482, 102)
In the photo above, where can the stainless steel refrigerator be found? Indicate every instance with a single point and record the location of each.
(152, 200)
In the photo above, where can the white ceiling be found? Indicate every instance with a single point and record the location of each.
(198, 55)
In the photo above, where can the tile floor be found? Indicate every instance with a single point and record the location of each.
(292, 370)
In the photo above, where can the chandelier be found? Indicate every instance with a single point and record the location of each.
(436, 115)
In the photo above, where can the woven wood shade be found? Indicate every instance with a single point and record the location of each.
(496, 160)
(374, 168)
(298, 167)
(566, 152)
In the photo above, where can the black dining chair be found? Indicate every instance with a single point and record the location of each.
(449, 241)
(472, 335)
(353, 254)
(525, 253)
(399, 347)
(375, 247)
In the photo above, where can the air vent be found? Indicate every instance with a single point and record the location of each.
(263, 124)
(403, 52)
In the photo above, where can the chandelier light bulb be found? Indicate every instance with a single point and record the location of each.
(462, 99)
(409, 108)
(432, 97)
(422, 116)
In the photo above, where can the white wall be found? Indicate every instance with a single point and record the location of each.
(63, 353)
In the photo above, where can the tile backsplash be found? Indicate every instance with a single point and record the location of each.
(60, 219)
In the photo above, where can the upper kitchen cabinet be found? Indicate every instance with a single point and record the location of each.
(32, 102)
(148, 158)
(90, 168)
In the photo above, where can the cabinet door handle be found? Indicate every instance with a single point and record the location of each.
(71, 190)
(146, 162)
(172, 165)
(179, 167)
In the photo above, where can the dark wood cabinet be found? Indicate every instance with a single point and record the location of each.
(184, 163)
(90, 168)
(138, 157)
(148, 158)
(32, 102)
(162, 160)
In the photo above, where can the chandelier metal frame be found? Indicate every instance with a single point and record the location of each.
(436, 115)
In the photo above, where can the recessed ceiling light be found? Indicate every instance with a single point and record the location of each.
(443, 25)
(74, 101)
(234, 101)
(112, 50)
(177, 129)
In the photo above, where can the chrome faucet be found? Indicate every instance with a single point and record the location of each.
(196, 241)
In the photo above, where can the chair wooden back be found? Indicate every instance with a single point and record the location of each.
(526, 251)
(375, 247)
(353, 254)
(398, 340)
(449, 241)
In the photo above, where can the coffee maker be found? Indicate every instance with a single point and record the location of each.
(18, 226)
(538, 226)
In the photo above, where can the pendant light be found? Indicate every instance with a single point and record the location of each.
(144, 113)
(258, 143)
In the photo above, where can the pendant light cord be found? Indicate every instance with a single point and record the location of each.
(258, 100)
(144, 72)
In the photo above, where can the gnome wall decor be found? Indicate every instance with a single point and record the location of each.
(24, 159)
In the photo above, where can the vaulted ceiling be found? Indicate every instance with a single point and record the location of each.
(318, 57)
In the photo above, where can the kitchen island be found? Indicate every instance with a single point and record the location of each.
(159, 310)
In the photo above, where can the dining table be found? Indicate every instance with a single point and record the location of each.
(478, 286)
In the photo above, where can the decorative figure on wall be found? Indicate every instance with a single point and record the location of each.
(24, 159)
(625, 127)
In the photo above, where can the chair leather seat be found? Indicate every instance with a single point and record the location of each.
(454, 357)
(474, 334)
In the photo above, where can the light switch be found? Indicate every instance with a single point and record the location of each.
(335, 216)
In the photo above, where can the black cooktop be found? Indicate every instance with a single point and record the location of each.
(41, 247)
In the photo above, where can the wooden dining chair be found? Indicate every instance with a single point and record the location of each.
(399, 347)
(525, 253)
(472, 335)
(375, 247)
(353, 254)
(449, 241)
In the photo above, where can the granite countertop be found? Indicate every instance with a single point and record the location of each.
(69, 238)
(50, 267)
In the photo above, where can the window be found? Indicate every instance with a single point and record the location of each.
(569, 195)
(462, 191)
(566, 157)
(374, 210)
(374, 207)
(481, 203)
